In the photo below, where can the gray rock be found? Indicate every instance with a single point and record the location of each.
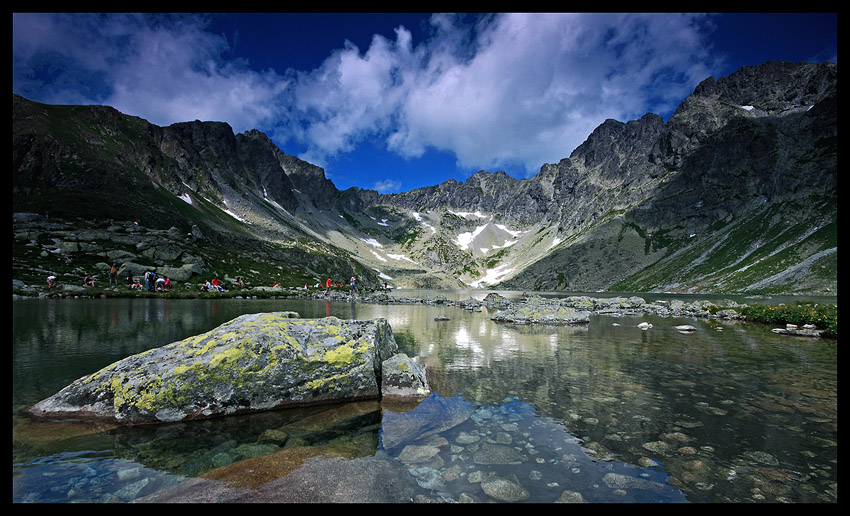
(68, 247)
(319, 480)
(800, 332)
(619, 481)
(166, 252)
(196, 232)
(432, 415)
(403, 377)
(183, 273)
(415, 454)
(542, 313)
(496, 300)
(504, 489)
(497, 454)
(570, 497)
(254, 362)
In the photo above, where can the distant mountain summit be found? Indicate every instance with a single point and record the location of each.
(736, 192)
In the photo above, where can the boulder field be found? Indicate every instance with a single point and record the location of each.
(252, 363)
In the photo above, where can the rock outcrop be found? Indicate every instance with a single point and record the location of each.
(539, 311)
(253, 363)
(577, 309)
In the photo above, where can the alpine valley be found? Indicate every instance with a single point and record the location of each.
(735, 193)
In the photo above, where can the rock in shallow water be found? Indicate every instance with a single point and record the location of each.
(254, 362)
(505, 489)
(542, 313)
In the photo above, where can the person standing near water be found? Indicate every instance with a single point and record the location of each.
(352, 283)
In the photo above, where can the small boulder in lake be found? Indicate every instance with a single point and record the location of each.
(539, 311)
(253, 363)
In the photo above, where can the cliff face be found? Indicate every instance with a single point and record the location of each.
(735, 192)
(738, 192)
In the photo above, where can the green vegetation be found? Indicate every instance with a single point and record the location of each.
(496, 258)
(734, 256)
(824, 317)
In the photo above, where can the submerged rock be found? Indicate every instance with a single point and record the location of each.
(253, 363)
(432, 415)
(505, 489)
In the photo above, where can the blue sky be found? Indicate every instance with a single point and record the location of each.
(397, 101)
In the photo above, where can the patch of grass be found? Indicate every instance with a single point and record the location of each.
(824, 317)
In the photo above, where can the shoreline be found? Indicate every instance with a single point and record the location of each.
(535, 310)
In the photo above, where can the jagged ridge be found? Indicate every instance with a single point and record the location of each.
(736, 192)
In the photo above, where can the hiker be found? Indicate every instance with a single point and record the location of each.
(113, 274)
(353, 284)
(160, 284)
(239, 282)
(130, 278)
(167, 284)
(51, 281)
(88, 281)
(327, 287)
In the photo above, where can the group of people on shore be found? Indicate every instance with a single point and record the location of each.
(53, 281)
(352, 284)
(153, 282)
(213, 285)
(329, 283)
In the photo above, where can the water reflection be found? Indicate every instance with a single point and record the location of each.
(598, 412)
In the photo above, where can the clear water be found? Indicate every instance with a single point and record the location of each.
(603, 412)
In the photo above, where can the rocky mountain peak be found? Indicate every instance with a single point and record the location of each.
(737, 190)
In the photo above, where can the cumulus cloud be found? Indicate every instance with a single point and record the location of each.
(164, 68)
(518, 89)
(523, 89)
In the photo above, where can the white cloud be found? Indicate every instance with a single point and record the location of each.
(528, 91)
(387, 186)
(164, 69)
(516, 89)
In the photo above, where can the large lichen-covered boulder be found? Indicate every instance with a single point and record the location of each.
(254, 362)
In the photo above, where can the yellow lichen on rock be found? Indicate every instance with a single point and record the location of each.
(254, 362)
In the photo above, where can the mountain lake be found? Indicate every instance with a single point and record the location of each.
(599, 412)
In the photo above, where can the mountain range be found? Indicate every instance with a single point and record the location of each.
(735, 193)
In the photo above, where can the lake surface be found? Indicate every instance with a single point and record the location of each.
(602, 412)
